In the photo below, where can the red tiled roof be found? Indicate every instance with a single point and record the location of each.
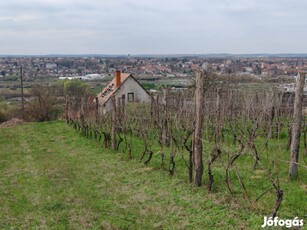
(109, 90)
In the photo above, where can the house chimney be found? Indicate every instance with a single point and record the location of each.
(117, 78)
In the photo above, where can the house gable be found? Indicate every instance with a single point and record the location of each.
(131, 85)
(110, 89)
(128, 85)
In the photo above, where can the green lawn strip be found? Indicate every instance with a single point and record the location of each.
(52, 177)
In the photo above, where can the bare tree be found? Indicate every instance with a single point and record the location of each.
(44, 106)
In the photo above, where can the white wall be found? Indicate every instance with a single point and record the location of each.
(129, 86)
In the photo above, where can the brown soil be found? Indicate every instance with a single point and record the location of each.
(12, 122)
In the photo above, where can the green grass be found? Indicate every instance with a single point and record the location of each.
(53, 178)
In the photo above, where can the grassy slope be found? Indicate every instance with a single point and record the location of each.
(51, 177)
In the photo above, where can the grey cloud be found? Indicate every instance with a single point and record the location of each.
(139, 26)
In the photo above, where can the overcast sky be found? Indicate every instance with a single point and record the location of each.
(152, 27)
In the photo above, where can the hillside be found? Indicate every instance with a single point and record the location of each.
(51, 177)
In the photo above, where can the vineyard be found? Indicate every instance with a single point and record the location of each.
(223, 137)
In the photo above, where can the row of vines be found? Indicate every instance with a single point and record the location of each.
(233, 123)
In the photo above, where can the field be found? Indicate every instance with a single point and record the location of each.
(52, 177)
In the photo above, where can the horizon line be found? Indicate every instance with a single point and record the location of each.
(155, 55)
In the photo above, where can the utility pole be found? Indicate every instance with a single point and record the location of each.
(22, 96)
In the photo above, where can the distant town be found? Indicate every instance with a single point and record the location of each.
(174, 71)
(55, 67)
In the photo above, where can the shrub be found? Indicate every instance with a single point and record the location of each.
(45, 106)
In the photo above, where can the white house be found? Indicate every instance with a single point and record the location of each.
(124, 87)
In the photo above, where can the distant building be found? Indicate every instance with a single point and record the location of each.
(93, 76)
(51, 66)
(88, 77)
(123, 87)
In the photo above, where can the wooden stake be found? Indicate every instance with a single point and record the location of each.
(198, 134)
(113, 130)
(296, 127)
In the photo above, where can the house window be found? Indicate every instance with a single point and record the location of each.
(130, 97)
